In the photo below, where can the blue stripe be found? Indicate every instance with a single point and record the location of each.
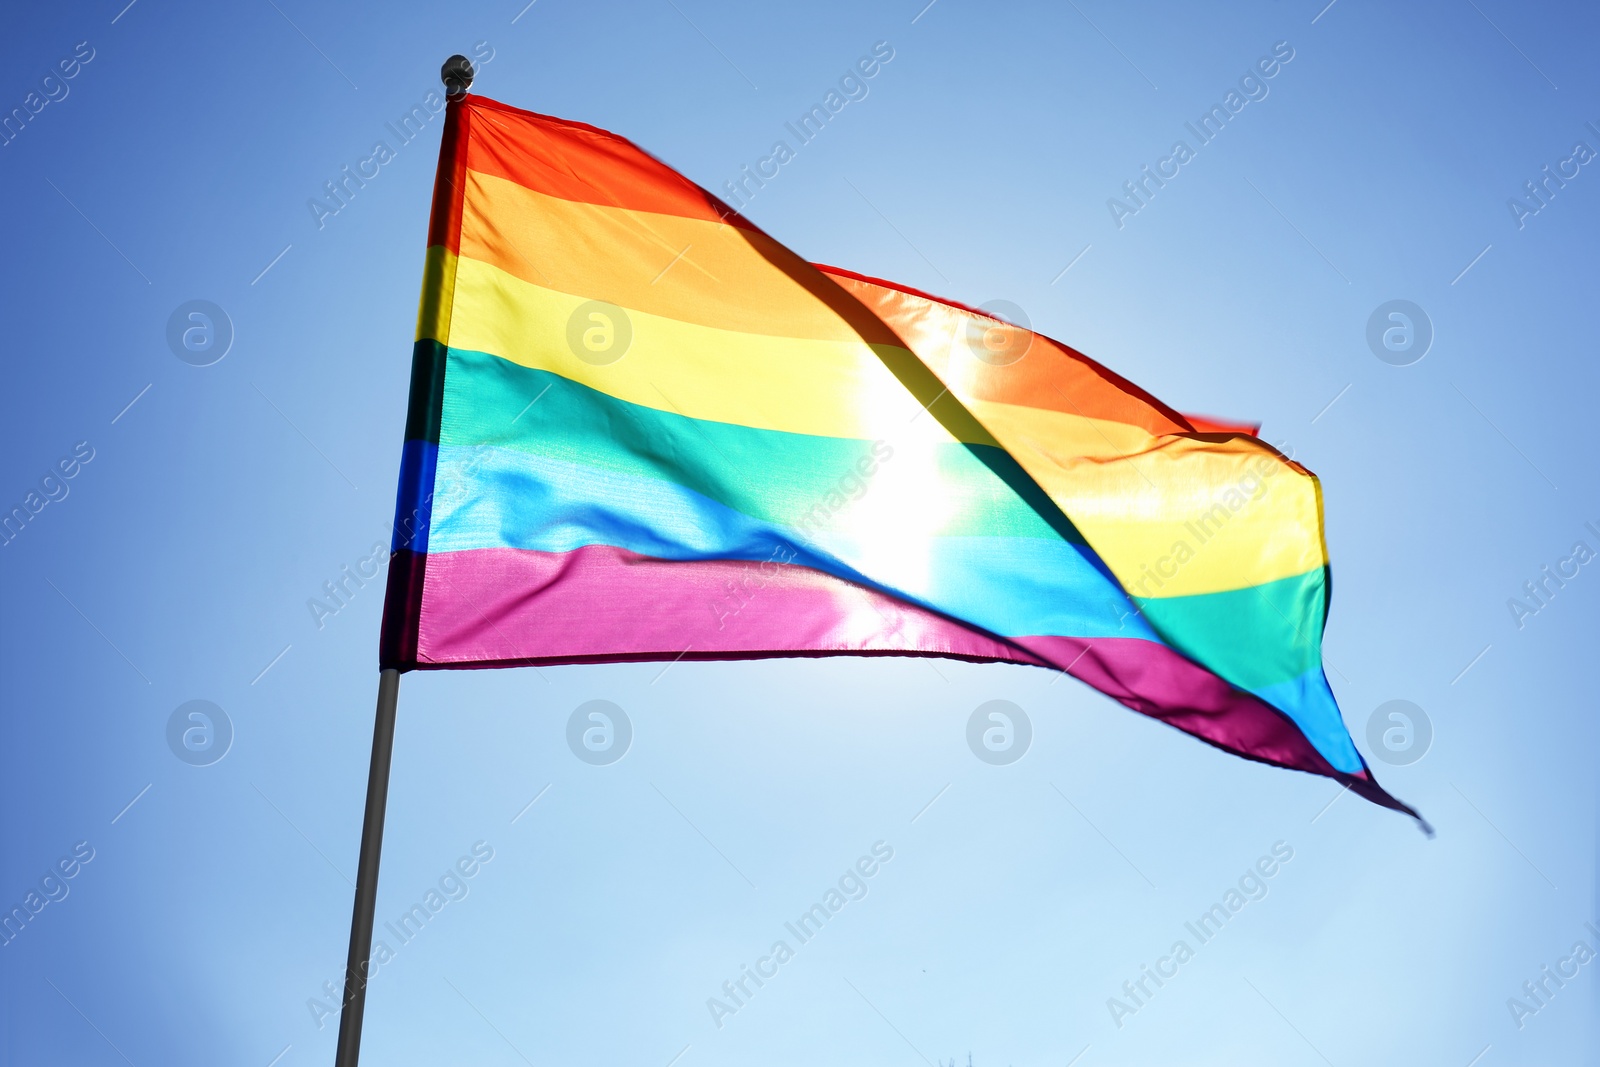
(413, 507)
(491, 497)
(1309, 702)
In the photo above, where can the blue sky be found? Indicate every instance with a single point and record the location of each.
(176, 163)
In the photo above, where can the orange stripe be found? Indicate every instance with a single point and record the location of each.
(693, 270)
(1048, 374)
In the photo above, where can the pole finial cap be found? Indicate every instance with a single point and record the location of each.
(457, 74)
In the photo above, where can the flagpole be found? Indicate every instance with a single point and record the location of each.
(355, 972)
(457, 74)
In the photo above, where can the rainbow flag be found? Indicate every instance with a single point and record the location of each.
(641, 429)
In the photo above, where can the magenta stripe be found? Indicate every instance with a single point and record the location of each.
(499, 607)
(494, 606)
(1156, 681)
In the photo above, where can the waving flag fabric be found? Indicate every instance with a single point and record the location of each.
(642, 429)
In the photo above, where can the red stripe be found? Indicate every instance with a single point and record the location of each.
(578, 162)
(1207, 424)
(449, 181)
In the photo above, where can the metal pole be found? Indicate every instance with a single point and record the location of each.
(457, 74)
(355, 973)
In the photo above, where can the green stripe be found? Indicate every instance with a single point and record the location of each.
(1248, 636)
(771, 475)
(427, 390)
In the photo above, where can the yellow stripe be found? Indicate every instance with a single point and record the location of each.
(825, 388)
(690, 269)
(438, 287)
(1171, 516)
